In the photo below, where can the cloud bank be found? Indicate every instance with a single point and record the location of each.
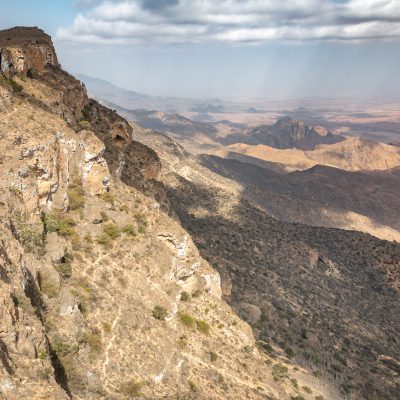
(164, 22)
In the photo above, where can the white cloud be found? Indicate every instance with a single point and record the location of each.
(241, 21)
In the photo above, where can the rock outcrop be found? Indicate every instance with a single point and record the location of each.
(288, 133)
(25, 50)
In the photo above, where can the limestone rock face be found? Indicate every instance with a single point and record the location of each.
(25, 49)
(6, 63)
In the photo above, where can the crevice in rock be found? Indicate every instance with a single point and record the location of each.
(59, 370)
(5, 358)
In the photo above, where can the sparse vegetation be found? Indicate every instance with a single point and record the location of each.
(108, 197)
(160, 313)
(187, 320)
(294, 383)
(29, 234)
(319, 397)
(47, 286)
(132, 388)
(111, 230)
(203, 326)
(110, 233)
(104, 240)
(64, 267)
(182, 342)
(129, 230)
(185, 296)
(196, 293)
(64, 226)
(192, 386)
(93, 339)
(307, 389)
(104, 216)
(16, 87)
(106, 327)
(279, 372)
(213, 356)
(124, 207)
(76, 195)
(84, 124)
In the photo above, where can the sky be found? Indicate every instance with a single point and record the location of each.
(226, 48)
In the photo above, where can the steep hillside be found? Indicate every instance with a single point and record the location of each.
(320, 196)
(328, 297)
(104, 296)
(352, 154)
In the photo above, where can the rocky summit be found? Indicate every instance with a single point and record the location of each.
(288, 133)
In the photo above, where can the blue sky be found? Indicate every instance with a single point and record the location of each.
(265, 48)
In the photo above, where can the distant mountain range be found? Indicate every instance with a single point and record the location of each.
(106, 91)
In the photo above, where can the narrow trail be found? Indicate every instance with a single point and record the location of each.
(109, 345)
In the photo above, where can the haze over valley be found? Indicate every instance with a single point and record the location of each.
(200, 200)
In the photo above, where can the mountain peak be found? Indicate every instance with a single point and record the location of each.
(25, 49)
(289, 133)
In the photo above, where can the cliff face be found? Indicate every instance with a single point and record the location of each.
(24, 49)
(103, 295)
(288, 133)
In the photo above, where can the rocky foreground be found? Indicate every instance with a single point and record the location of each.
(104, 295)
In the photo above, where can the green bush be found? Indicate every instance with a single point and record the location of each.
(62, 225)
(132, 388)
(47, 286)
(111, 230)
(319, 397)
(129, 230)
(307, 389)
(160, 313)
(65, 268)
(187, 320)
(197, 293)
(76, 196)
(104, 240)
(279, 371)
(289, 351)
(93, 339)
(16, 87)
(84, 124)
(185, 296)
(108, 197)
(213, 356)
(29, 234)
(294, 383)
(203, 326)
(104, 216)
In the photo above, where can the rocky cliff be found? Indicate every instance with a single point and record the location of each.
(288, 133)
(25, 50)
(104, 295)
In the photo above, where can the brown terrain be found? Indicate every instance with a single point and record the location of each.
(327, 298)
(353, 154)
(120, 253)
(288, 133)
(104, 293)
